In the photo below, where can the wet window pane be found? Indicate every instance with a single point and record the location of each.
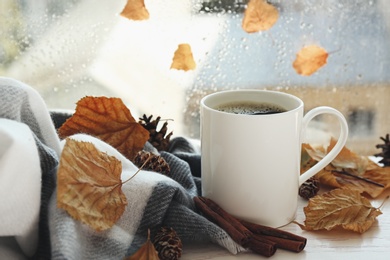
(70, 49)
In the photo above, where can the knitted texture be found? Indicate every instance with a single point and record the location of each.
(154, 200)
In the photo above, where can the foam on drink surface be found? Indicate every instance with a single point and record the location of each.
(250, 108)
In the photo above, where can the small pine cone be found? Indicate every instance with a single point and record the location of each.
(154, 162)
(168, 244)
(159, 139)
(385, 154)
(309, 188)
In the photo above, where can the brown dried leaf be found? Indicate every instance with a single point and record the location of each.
(379, 175)
(340, 208)
(310, 59)
(345, 159)
(135, 10)
(370, 177)
(183, 58)
(259, 16)
(109, 120)
(341, 179)
(348, 159)
(146, 251)
(306, 159)
(89, 186)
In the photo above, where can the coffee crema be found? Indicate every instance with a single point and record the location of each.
(250, 108)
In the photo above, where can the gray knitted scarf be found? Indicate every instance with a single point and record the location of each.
(154, 200)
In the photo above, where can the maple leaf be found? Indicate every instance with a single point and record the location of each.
(183, 58)
(135, 10)
(310, 59)
(89, 185)
(146, 252)
(259, 16)
(340, 208)
(109, 120)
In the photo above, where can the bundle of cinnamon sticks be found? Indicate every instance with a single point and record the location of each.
(260, 239)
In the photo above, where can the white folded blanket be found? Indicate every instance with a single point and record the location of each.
(31, 224)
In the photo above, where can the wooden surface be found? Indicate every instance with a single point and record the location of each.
(374, 244)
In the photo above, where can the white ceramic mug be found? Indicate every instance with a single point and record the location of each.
(251, 163)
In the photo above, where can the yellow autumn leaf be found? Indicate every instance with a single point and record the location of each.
(89, 185)
(310, 59)
(343, 208)
(183, 58)
(259, 16)
(109, 120)
(146, 252)
(135, 10)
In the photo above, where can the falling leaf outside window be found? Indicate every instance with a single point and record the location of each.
(183, 58)
(135, 10)
(259, 16)
(310, 59)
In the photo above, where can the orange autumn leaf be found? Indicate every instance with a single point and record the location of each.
(109, 120)
(310, 59)
(146, 252)
(135, 10)
(343, 208)
(259, 16)
(89, 185)
(183, 58)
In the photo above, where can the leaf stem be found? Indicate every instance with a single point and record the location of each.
(140, 168)
(360, 178)
(383, 202)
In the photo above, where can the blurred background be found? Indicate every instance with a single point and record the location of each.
(70, 49)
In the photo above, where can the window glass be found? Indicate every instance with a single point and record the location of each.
(70, 49)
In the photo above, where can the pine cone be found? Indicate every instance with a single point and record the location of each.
(168, 244)
(156, 163)
(385, 154)
(159, 139)
(309, 188)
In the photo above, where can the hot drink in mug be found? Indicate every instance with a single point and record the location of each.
(251, 153)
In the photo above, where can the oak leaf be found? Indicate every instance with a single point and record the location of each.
(343, 208)
(259, 16)
(89, 185)
(310, 59)
(109, 120)
(146, 252)
(183, 58)
(135, 10)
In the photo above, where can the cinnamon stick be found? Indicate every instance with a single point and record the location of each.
(260, 239)
(238, 232)
(283, 239)
(232, 220)
(240, 236)
(262, 246)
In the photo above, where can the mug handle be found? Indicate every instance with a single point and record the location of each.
(336, 149)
